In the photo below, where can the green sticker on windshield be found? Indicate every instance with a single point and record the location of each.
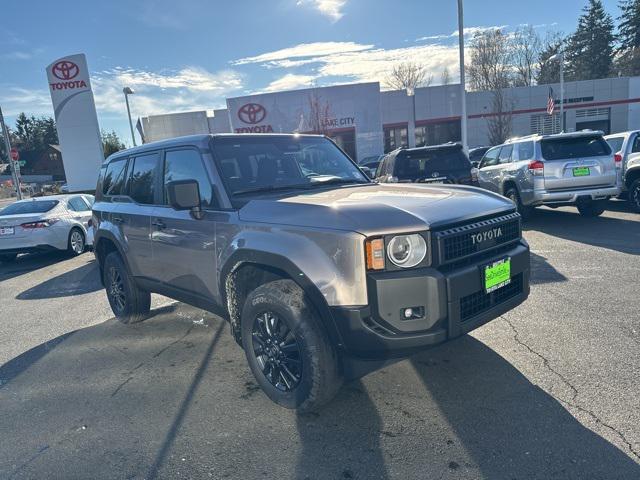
(497, 275)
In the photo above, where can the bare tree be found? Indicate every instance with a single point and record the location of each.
(445, 77)
(489, 67)
(499, 123)
(526, 47)
(319, 115)
(408, 76)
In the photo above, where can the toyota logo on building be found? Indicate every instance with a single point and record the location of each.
(65, 70)
(252, 113)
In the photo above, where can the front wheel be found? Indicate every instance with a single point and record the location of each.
(129, 303)
(634, 195)
(592, 208)
(287, 348)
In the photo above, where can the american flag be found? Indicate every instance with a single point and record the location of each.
(551, 103)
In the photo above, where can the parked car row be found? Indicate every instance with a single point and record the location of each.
(626, 146)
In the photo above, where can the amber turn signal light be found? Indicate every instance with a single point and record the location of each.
(375, 254)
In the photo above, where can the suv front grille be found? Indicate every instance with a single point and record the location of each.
(466, 240)
(480, 302)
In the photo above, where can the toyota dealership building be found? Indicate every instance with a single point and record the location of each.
(366, 121)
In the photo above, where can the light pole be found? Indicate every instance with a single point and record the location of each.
(463, 90)
(128, 91)
(560, 57)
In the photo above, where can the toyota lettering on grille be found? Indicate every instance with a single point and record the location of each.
(488, 235)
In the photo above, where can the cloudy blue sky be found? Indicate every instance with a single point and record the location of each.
(192, 54)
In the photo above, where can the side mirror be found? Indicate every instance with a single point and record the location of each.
(367, 171)
(475, 163)
(185, 195)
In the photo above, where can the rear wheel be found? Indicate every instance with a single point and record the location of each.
(634, 195)
(592, 208)
(524, 211)
(288, 350)
(8, 257)
(76, 243)
(129, 303)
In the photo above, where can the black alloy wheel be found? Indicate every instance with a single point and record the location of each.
(277, 351)
(116, 290)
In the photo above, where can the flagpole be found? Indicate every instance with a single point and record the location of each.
(562, 90)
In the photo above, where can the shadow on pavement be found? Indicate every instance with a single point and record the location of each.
(29, 263)
(84, 279)
(543, 272)
(509, 426)
(354, 450)
(605, 232)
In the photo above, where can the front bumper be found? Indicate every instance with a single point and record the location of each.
(542, 197)
(454, 303)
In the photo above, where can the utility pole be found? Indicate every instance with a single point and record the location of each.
(463, 90)
(7, 146)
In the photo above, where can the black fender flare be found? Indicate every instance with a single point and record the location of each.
(107, 235)
(266, 259)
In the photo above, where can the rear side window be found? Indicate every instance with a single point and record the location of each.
(77, 204)
(524, 151)
(143, 178)
(32, 206)
(114, 177)
(574, 147)
(187, 165)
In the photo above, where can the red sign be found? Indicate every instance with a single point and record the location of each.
(14, 154)
(65, 70)
(252, 113)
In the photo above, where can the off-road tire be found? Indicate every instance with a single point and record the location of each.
(76, 243)
(593, 208)
(136, 303)
(634, 195)
(8, 257)
(524, 211)
(320, 378)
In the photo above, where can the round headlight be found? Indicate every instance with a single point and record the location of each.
(407, 250)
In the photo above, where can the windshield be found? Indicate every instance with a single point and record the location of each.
(615, 143)
(422, 164)
(256, 164)
(574, 147)
(31, 206)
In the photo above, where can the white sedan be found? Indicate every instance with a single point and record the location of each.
(58, 222)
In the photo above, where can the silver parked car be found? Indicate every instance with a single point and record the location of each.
(626, 146)
(554, 170)
(57, 222)
(322, 274)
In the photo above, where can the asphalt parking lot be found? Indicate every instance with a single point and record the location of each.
(550, 390)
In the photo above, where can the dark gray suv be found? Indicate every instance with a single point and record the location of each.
(322, 274)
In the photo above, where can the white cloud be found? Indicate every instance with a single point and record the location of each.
(301, 51)
(468, 32)
(329, 8)
(32, 101)
(290, 82)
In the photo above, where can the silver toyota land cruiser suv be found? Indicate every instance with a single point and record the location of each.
(323, 274)
(553, 170)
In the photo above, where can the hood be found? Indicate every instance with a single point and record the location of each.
(377, 209)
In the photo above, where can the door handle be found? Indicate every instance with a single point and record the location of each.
(117, 220)
(159, 224)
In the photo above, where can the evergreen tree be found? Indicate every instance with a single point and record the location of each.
(549, 70)
(111, 143)
(589, 52)
(628, 58)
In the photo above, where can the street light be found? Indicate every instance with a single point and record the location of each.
(463, 92)
(560, 57)
(128, 91)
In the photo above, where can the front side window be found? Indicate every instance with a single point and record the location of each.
(114, 177)
(505, 154)
(187, 165)
(490, 158)
(142, 180)
(256, 164)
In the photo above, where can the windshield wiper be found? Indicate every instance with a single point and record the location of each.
(269, 188)
(338, 181)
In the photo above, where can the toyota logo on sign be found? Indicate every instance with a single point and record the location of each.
(252, 113)
(65, 70)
